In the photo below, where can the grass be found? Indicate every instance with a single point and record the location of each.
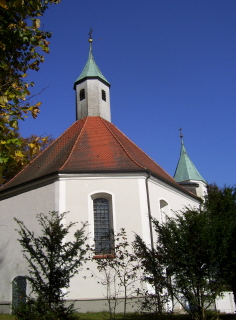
(131, 316)
(7, 317)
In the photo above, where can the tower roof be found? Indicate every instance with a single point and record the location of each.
(90, 145)
(91, 70)
(185, 169)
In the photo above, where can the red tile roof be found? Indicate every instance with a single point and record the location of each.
(90, 145)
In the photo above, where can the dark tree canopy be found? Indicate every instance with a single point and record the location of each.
(184, 245)
(220, 206)
(197, 248)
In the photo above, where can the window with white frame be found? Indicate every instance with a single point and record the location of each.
(102, 225)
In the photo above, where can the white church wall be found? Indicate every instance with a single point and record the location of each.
(174, 198)
(74, 194)
(202, 189)
(124, 194)
(25, 207)
(128, 196)
(125, 200)
(144, 211)
(226, 303)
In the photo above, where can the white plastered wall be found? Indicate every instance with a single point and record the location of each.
(202, 189)
(24, 207)
(74, 194)
(176, 199)
(124, 192)
(129, 210)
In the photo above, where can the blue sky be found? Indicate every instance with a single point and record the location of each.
(171, 65)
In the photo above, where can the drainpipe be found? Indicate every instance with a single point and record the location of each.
(149, 210)
(152, 244)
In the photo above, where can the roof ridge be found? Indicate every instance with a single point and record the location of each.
(54, 141)
(140, 150)
(71, 152)
(123, 147)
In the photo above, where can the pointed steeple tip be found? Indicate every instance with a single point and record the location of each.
(91, 70)
(186, 170)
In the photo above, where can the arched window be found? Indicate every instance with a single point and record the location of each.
(18, 291)
(104, 97)
(102, 226)
(164, 209)
(82, 94)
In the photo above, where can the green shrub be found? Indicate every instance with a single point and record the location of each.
(39, 310)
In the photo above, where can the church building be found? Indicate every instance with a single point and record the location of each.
(96, 174)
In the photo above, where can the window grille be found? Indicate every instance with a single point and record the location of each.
(102, 226)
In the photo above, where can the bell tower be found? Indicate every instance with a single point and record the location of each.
(187, 175)
(92, 90)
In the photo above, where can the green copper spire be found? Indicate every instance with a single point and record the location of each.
(186, 170)
(91, 69)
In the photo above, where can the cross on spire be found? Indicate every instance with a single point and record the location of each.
(90, 33)
(181, 135)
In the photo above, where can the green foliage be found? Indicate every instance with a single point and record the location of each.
(197, 249)
(25, 150)
(155, 299)
(187, 251)
(38, 310)
(21, 49)
(118, 272)
(52, 263)
(220, 206)
(130, 316)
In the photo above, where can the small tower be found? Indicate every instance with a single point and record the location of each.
(92, 90)
(187, 175)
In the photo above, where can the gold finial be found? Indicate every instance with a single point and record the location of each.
(90, 35)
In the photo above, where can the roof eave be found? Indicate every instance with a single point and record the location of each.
(91, 77)
(28, 185)
(50, 178)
